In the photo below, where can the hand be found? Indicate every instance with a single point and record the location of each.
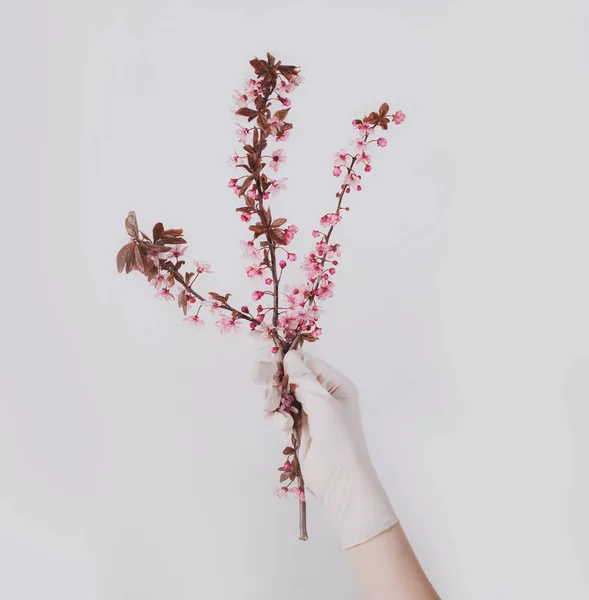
(334, 458)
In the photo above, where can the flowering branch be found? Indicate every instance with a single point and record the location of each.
(290, 326)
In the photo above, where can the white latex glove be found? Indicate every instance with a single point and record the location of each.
(334, 457)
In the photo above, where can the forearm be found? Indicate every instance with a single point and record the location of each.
(387, 569)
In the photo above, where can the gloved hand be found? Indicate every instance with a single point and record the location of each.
(334, 457)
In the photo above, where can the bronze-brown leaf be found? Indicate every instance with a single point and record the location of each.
(158, 229)
(131, 224)
(247, 112)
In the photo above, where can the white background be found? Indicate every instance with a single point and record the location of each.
(135, 463)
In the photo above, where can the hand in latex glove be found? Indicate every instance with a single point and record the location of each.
(334, 458)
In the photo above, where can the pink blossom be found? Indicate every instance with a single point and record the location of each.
(235, 159)
(368, 168)
(202, 267)
(295, 294)
(285, 101)
(362, 127)
(251, 88)
(342, 158)
(268, 281)
(321, 248)
(287, 466)
(382, 142)
(363, 157)
(317, 332)
(325, 290)
(360, 144)
(277, 158)
(337, 171)
(283, 136)
(246, 217)
(312, 267)
(158, 280)
(239, 99)
(250, 250)
(255, 271)
(195, 320)
(213, 305)
(353, 180)
(176, 251)
(315, 233)
(256, 295)
(281, 492)
(228, 324)
(291, 256)
(233, 184)
(277, 185)
(165, 294)
(282, 264)
(274, 349)
(330, 219)
(289, 232)
(399, 117)
(334, 250)
(242, 134)
(275, 124)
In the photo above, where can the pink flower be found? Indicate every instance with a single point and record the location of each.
(382, 142)
(213, 305)
(254, 272)
(202, 267)
(242, 134)
(360, 144)
(363, 157)
(195, 320)
(158, 280)
(399, 117)
(268, 281)
(368, 168)
(291, 256)
(289, 232)
(325, 290)
(275, 124)
(312, 267)
(282, 264)
(295, 294)
(353, 180)
(283, 136)
(165, 294)
(239, 99)
(281, 492)
(285, 101)
(277, 158)
(330, 219)
(228, 324)
(287, 466)
(342, 158)
(321, 248)
(250, 250)
(246, 217)
(277, 185)
(315, 233)
(233, 184)
(256, 295)
(235, 160)
(337, 171)
(362, 127)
